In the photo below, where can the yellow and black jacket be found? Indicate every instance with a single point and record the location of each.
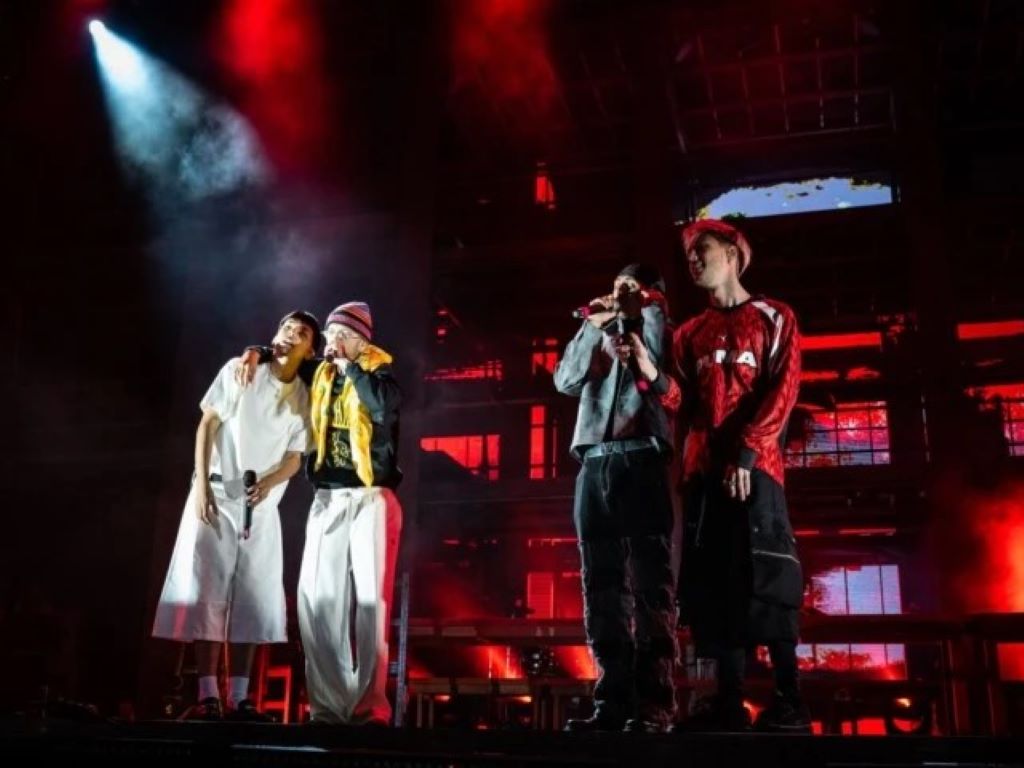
(354, 419)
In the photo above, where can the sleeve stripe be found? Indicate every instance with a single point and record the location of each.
(777, 320)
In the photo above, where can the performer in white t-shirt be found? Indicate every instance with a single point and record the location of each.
(225, 583)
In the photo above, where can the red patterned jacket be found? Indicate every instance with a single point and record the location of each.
(739, 369)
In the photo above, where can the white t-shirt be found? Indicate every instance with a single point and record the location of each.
(259, 423)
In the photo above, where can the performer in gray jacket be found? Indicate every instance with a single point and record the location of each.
(623, 511)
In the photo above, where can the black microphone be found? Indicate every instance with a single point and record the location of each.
(248, 480)
(582, 313)
(623, 327)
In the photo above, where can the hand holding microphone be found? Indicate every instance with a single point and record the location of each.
(619, 315)
(337, 359)
(632, 352)
(582, 313)
(598, 312)
(623, 304)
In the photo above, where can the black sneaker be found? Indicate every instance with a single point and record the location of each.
(245, 712)
(784, 715)
(208, 710)
(715, 714)
(596, 722)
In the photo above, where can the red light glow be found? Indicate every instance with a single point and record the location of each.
(993, 330)
(273, 50)
(841, 341)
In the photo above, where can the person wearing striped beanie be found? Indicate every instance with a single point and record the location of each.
(348, 565)
(352, 534)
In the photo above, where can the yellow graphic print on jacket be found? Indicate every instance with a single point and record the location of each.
(345, 412)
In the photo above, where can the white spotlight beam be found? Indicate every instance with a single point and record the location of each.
(183, 143)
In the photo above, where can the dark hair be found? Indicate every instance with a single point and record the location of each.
(308, 320)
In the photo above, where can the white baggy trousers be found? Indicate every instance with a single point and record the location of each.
(344, 602)
(219, 586)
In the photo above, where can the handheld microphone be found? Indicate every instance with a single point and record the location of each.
(582, 313)
(248, 480)
(647, 297)
(623, 327)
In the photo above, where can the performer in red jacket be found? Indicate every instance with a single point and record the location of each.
(741, 583)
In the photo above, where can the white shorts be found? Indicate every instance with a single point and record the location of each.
(221, 587)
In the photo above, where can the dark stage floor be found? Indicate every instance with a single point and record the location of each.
(153, 744)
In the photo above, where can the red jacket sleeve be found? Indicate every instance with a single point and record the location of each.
(780, 395)
(683, 380)
(673, 399)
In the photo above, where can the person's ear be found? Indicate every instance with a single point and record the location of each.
(734, 252)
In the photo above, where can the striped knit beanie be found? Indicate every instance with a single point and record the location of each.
(354, 315)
